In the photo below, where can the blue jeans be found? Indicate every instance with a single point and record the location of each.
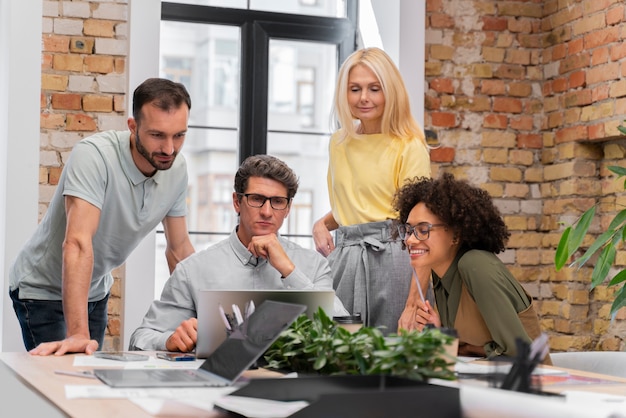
(43, 321)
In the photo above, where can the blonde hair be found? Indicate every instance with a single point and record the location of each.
(397, 120)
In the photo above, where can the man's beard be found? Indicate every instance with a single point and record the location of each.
(150, 157)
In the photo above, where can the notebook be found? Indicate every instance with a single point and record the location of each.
(211, 327)
(244, 345)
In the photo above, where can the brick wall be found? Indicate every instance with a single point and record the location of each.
(526, 97)
(83, 90)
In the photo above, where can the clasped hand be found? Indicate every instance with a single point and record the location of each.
(417, 316)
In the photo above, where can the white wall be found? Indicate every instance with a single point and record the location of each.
(20, 87)
(402, 29)
(143, 63)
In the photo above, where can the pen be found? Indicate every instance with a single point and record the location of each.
(419, 287)
(237, 313)
(83, 373)
(249, 309)
(224, 317)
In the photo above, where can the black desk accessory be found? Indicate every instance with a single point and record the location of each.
(349, 396)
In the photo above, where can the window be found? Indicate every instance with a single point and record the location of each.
(260, 82)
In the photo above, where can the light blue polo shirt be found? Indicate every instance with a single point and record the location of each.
(101, 171)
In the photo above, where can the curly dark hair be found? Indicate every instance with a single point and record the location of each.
(467, 210)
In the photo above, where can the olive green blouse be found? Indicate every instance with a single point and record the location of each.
(498, 295)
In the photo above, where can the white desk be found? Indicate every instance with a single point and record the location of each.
(34, 389)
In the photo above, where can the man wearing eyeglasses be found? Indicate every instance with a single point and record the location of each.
(254, 256)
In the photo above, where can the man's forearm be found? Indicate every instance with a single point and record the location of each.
(77, 271)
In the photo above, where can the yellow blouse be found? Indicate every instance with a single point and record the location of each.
(365, 173)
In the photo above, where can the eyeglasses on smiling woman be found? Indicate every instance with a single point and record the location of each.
(258, 200)
(421, 231)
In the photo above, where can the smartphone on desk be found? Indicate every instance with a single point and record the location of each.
(176, 356)
(120, 356)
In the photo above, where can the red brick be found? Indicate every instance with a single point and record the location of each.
(507, 105)
(54, 43)
(615, 15)
(443, 119)
(577, 79)
(575, 46)
(442, 155)
(80, 122)
(67, 101)
(600, 92)
(495, 121)
(558, 52)
(440, 20)
(492, 87)
(529, 141)
(560, 85)
(574, 133)
(522, 123)
(601, 37)
(494, 23)
(596, 131)
(442, 85)
(600, 56)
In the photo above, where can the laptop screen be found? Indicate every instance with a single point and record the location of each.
(249, 341)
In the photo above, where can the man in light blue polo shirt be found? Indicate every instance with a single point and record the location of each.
(115, 188)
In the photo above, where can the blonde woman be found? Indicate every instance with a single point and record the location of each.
(378, 144)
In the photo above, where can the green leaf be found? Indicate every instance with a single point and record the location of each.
(618, 278)
(597, 244)
(619, 301)
(601, 270)
(561, 256)
(618, 220)
(620, 171)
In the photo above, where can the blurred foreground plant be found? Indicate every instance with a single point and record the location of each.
(321, 346)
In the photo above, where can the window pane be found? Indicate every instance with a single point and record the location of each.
(307, 155)
(206, 58)
(328, 8)
(301, 88)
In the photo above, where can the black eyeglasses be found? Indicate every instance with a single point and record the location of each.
(421, 231)
(258, 200)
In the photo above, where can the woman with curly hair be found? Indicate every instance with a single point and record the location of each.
(454, 229)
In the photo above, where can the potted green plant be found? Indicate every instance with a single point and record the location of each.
(606, 245)
(320, 346)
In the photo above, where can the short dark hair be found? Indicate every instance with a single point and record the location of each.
(163, 93)
(266, 166)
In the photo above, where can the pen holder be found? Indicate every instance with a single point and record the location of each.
(452, 349)
(351, 323)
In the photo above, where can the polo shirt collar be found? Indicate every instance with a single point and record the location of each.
(129, 166)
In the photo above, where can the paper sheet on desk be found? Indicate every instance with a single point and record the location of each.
(151, 363)
(478, 402)
(471, 367)
(161, 402)
(260, 408)
(106, 392)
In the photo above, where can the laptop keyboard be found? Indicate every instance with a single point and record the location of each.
(183, 376)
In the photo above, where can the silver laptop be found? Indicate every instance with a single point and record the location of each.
(246, 342)
(212, 330)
